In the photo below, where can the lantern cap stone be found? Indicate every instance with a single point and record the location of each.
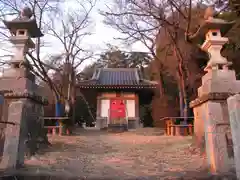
(210, 24)
(24, 22)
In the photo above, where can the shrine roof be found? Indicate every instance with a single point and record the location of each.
(117, 77)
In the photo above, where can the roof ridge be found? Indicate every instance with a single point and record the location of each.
(149, 81)
(118, 69)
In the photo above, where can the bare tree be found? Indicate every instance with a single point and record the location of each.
(74, 26)
(144, 20)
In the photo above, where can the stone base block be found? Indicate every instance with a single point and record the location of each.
(218, 81)
(133, 124)
(117, 128)
(101, 123)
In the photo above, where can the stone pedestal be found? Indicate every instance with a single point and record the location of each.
(24, 103)
(25, 109)
(218, 81)
(16, 135)
(211, 119)
(216, 146)
(234, 112)
(199, 135)
(217, 85)
(101, 122)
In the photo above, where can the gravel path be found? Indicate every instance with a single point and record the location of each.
(129, 155)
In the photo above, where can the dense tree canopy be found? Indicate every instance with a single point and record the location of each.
(115, 58)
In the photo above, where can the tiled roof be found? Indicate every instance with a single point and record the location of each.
(119, 77)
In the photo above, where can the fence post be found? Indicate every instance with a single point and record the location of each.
(168, 128)
(60, 128)
(185, 130)
(190, 129)
(172, 130)
(53, 131)
(177, 130)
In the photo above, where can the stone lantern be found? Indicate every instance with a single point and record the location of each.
(24, 109)
(210, 37)
(22, 29)
(211, 120)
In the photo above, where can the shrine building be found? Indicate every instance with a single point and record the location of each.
(116, 94)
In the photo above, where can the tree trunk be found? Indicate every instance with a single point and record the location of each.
(181, 105)
(183, 97)
(185, 101)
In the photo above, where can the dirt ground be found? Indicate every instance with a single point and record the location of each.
(141, 154)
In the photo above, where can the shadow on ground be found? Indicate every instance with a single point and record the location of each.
(166, 176)
(89, 132)
(140, 131)
(56, 146)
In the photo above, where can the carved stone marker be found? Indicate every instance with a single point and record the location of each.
(24, 103)
(234, 112)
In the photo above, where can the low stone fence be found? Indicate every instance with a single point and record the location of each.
(179, 130)
(55, 125)
(173, 129)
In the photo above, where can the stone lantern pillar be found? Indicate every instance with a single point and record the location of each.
(24, 105)
(211, 120)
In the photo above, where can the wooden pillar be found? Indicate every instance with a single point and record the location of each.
(168, 127)
(136, 105)
(98, 113)
(171, 127)
(137, 110)
(98, 105)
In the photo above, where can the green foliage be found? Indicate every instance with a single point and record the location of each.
(138, 59)
(115, 58)
(170, 86)
(145, 115)
(235, 6)
(88, 71)
(233, 35)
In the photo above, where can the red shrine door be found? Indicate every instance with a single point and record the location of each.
(117, 111)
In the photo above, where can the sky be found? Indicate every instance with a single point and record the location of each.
(103, 34)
